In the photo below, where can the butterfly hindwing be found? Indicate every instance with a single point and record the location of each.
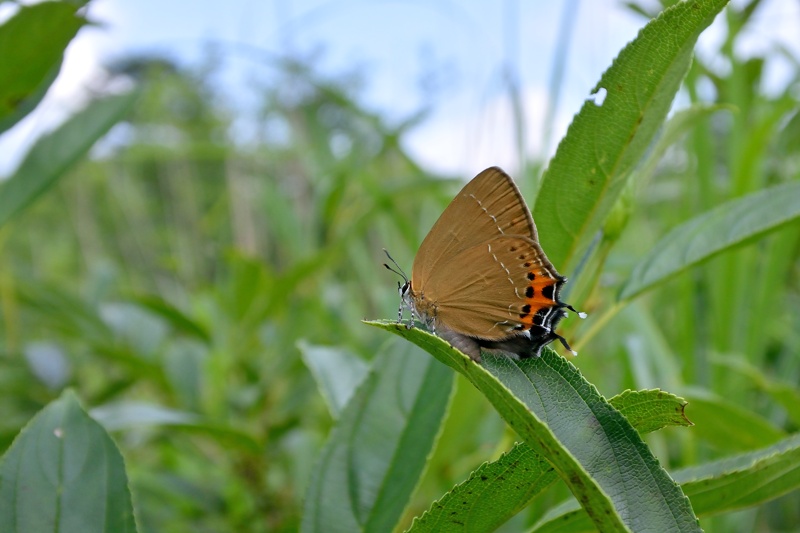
(497, 289)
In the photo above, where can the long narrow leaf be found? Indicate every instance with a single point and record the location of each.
(714, 232)
(54, 153)
(606, 141)
(591, 445)
(718, 487)
(498, 490)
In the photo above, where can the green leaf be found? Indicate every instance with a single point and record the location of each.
(714, 488)
(498, 490)
(561, 416)
(649, 410)
(727, 426)
(174, 316)
(33, 43)
(786, 394)
(54, 153)
(375, 455)
(336, 371)
(605, 142)
(64, 473)
(743, 480)
(491, 495)
(714, 232)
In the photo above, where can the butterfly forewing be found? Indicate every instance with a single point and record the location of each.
(488, 206)
(496, 289)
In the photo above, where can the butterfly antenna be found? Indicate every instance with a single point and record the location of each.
(579, 313)
(399, 270)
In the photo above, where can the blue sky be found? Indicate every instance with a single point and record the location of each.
(468, 47)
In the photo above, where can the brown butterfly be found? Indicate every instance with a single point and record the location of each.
(480, 278)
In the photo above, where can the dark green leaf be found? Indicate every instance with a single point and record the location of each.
(498, 490)
(493, 493)
(716, 487)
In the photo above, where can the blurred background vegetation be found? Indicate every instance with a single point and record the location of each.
(175, 279)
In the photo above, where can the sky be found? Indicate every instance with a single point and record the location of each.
(468, 51)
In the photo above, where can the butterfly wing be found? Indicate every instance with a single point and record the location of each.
(488, 206)
(497, 289)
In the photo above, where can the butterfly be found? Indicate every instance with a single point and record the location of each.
(480, 278)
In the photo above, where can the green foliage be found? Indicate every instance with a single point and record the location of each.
(64, 473)
(498, 490)
(203, 297)
(716, 487)
(26, 73)
(54, 153)
(590, 444)
(719, 229)
(605, 142)
(373, 459)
